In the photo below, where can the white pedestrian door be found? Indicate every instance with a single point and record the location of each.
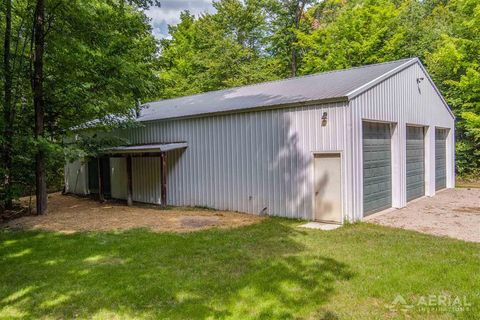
(328, 187)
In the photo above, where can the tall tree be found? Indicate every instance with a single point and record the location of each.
(98, 59)
(217, 51)
(298, 10)
(455, 65)
(358, 35)
(286, 23)
(39, 106)
(8, 110)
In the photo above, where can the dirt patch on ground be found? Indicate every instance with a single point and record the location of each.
(70, 214)
(453, 213)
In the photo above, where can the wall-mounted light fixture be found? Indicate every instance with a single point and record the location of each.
(324, 119)
(418, 84)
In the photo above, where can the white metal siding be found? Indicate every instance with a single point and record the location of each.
(76, 177)
(146, 180)
(118, 178)
(244, 162)
(400, 100)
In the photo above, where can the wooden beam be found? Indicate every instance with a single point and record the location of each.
(101, 198)
(163, 158)
(129, 181)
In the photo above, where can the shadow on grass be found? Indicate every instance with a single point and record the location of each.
(254, 272)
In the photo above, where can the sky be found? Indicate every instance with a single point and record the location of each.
(169, 13)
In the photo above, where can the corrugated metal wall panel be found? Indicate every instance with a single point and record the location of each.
(401, 100)
(118, 178)
(245, 162)
(146, 180)
(76, 177)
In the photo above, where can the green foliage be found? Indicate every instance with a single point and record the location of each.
(354, 38)
(455, 65)
(91, 145)
(100, 59)
(468, 159)
(286, 21)
(216, 51)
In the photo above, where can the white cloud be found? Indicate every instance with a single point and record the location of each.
(169, 14)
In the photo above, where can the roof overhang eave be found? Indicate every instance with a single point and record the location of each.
(143, 149)
(252, 109)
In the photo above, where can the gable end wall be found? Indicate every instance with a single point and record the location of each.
(400, 100)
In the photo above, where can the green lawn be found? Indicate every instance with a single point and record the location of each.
(264, 271)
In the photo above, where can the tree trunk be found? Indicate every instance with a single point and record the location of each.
(39, 103)
(299, 7)
(294, 62)
(8, 114)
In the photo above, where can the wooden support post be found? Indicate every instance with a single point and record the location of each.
(101, 198)
(129, 181)
(163, 158)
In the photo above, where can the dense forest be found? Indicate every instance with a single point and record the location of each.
(68, 62)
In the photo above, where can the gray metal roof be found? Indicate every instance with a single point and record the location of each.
(328, 86)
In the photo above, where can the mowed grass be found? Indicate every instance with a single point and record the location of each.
(271, 270)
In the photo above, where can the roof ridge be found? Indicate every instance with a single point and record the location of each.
(285, 79)
(405, 63)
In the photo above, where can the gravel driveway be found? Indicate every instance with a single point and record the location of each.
(453, 213)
